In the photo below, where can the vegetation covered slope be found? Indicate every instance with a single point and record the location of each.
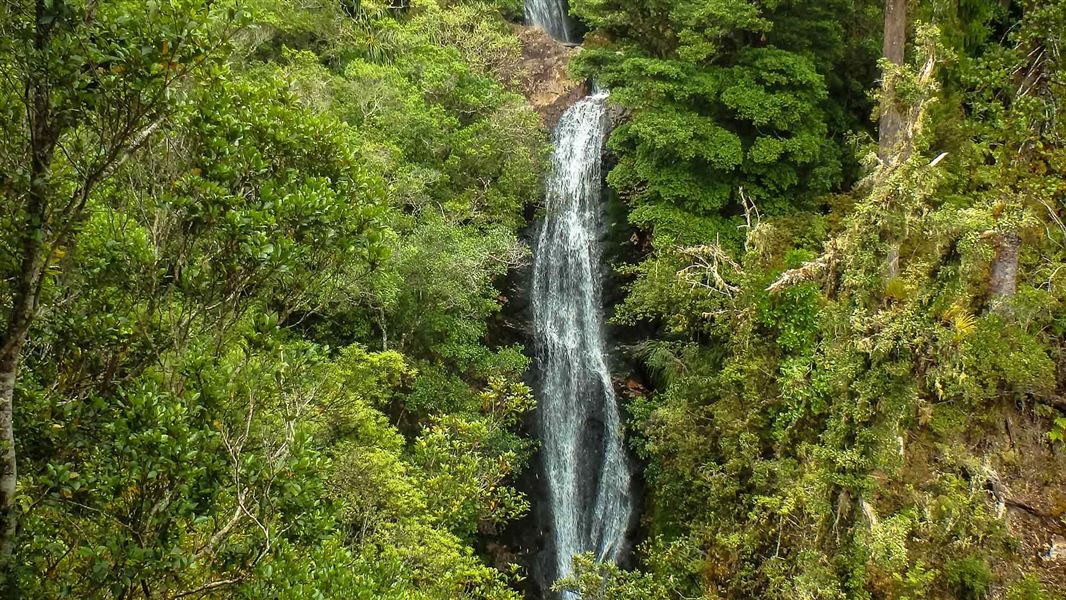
(247, 254)
(858, 384)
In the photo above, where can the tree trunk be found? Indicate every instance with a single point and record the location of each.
(891, 270)
(43, 137)
(890, 126)
(1003, 282)
(891, 122)
(8, 465)
(23, 310)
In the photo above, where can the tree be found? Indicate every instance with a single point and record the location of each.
(1028, 143)
(85, 84)
(723, 95)
(895, 41)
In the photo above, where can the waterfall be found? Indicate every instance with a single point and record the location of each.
(584, 459)
(551, 16)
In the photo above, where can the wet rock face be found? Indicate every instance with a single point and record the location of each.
(545, 78)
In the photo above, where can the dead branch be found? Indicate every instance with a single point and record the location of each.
(705, 270)
(207, 587)
(808, 271)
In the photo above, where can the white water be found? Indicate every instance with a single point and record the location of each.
(551, 16)
(581, 432)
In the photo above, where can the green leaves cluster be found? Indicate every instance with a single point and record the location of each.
(838, 395)
(722, 95)
(261, 365)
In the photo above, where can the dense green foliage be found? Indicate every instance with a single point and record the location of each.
(724, 96)
(259, 366)
(833, 383)
(250, 266)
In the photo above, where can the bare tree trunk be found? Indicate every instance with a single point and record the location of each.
(891, 122)
(890, 125)
(1003, 281)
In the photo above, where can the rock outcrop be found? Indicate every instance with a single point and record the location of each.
(545, 78)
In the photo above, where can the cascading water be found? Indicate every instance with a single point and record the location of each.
(551, 16)
(584, 459)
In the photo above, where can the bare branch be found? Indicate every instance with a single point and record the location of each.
(705, 271)
(207, 587)
(808, 271)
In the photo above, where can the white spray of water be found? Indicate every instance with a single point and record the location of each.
(585, 463)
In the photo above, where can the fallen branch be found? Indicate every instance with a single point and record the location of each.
(1056, 401)
(1029, 509)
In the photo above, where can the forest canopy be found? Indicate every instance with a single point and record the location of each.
(255, 247)
(259, 324)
